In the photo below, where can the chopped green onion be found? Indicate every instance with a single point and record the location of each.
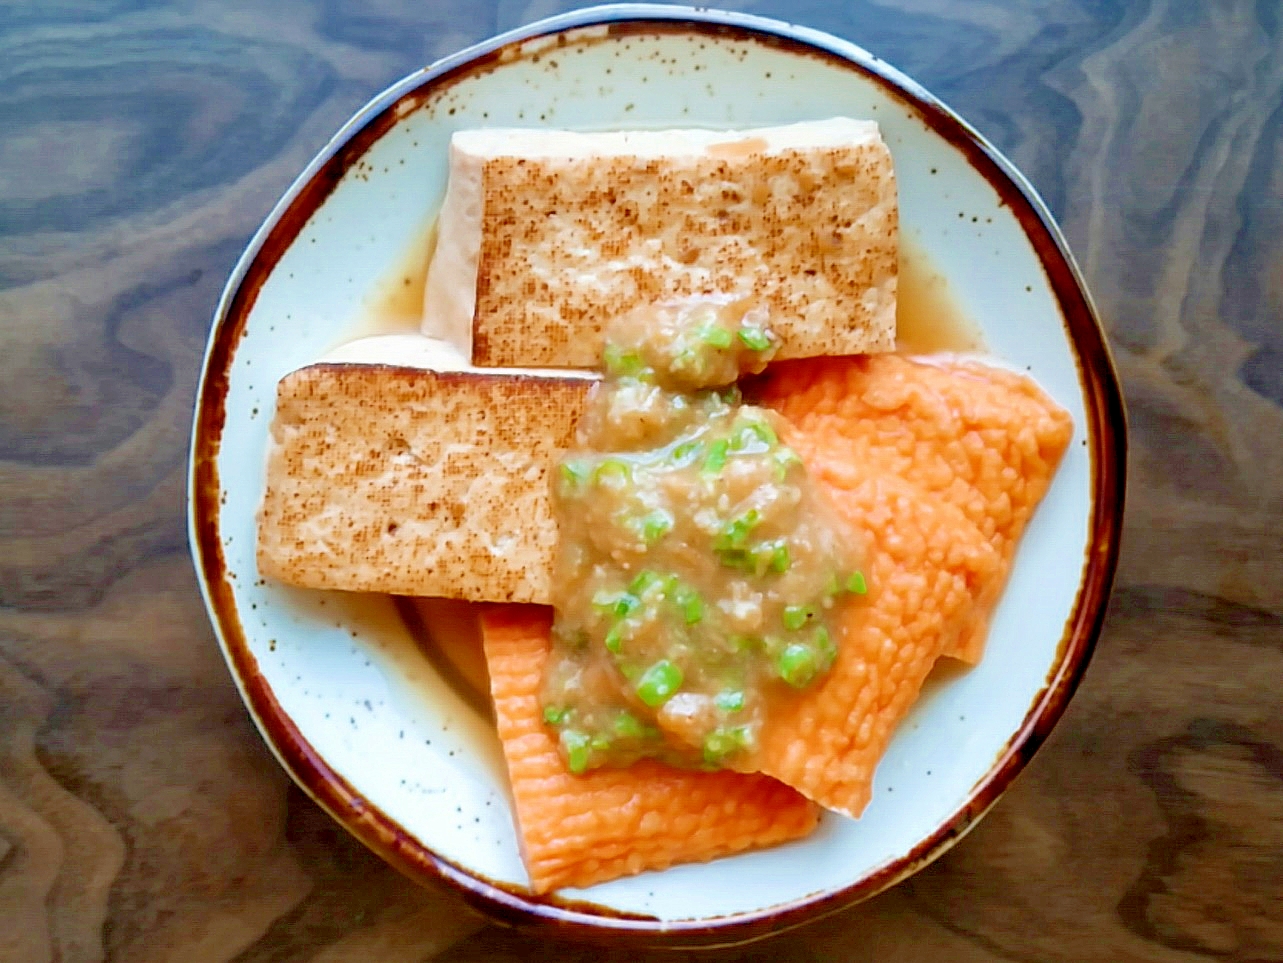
(554, 715)
(796, 616)
(655, 526)
(629, 726)
(682, 454)
(796, 664)
(613, 473)
(716, 459)
(780, 560)
(615, 637)
(574, 474)
(730, 395)
(764, 431)
(734, 533)
(645, 580)
(690, 603)
(714, 336)
(856, 584)
(754, 338)
(754, 436)
(658, 683)
(732, 700)
(621, 362)
(736, 558)
(600, 742)
(833, 586)
(619, 604)
(720, 743)
(577, 748)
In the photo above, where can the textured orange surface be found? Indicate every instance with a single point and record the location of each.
(940, 468)
(986, 440)
(580, 830)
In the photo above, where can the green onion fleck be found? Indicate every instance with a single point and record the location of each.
(600, 742)
(780, 560)
(833, 586)
(754, 338)
(764, 431)
(714, 336)
(720, 743)
(655, 526)
(690, 603)
(643, 580)
(629, 726)
(796, 664)
(658, 683)
(796, 616)
(734, 533)
(554, 715)
(856, 584)
(619, 604)
(615, 637)
(716, 459)
(578, 749)
(621, 362)
(684, 453)
(730, 395)
(613, 473)
(736, 558)
(732, 700)
(574, 474)
(754, 436)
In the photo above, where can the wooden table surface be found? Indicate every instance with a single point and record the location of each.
(142, 819)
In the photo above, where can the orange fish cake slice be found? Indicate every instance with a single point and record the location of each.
(984, 439)
(927, 565)
(607, 823)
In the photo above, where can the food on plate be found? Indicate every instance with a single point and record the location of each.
(701, 577)
(985, 439)
(748, 596)
(545, 235)
(415, 482)
(577, 830)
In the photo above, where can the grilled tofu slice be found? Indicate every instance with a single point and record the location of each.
(545, 235)
(415, 482)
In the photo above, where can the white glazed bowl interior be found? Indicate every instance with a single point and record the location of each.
(343, 669)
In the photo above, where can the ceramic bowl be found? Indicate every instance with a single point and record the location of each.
(359, 713)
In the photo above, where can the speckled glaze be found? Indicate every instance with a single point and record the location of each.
(355, 710)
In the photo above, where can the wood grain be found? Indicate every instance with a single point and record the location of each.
(141, 818)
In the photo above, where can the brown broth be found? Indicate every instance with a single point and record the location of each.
(929, 319)
(394, 305)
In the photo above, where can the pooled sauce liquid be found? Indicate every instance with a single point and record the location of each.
(395, 304)
(929, 320)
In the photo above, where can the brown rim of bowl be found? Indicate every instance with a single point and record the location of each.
(558, 918)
